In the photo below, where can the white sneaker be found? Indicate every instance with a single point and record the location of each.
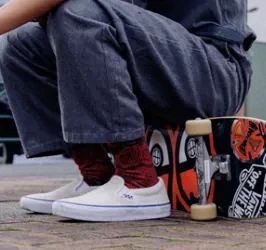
(42, 202)
(115, 202)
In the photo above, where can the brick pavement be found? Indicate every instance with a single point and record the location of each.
(21, 230)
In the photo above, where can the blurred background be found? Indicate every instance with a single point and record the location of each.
(256, 102)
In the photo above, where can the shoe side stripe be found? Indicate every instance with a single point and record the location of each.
(114, 206)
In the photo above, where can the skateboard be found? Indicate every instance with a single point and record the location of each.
(213, 167)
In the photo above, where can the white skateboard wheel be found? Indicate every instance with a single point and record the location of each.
(203, 212)
(198, 127)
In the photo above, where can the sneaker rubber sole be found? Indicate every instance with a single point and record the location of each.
(36, 205)
(110, 213)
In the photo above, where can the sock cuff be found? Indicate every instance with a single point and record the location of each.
(117, 146)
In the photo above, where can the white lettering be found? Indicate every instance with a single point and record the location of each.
(247, 202)
(238, 211)
(244, 195)
(251, 184)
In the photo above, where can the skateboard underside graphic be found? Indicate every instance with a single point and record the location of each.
(234, 173)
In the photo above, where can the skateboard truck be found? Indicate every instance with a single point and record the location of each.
(206, 169)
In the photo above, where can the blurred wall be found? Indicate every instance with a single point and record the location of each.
(256, 100)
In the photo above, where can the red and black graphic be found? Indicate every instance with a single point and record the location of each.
(173, 154)
(242, 139)
(247, 140)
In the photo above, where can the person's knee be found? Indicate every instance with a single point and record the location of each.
(73, 11)
(4, 47)
(11, 43)
(8, 51)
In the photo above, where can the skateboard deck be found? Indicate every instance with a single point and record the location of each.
(242, 139)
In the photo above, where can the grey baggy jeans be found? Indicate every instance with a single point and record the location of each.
(101, 66)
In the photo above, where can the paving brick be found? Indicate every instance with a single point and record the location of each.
(12, 189)
(21, 230)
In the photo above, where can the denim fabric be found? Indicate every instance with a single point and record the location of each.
(102, 66)
(221, 19)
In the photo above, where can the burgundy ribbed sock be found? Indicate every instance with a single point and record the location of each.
(93, 162)
(133, 163)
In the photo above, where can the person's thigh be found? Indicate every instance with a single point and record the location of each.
(174, 74)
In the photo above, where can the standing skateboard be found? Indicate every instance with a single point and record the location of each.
(213, 166)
